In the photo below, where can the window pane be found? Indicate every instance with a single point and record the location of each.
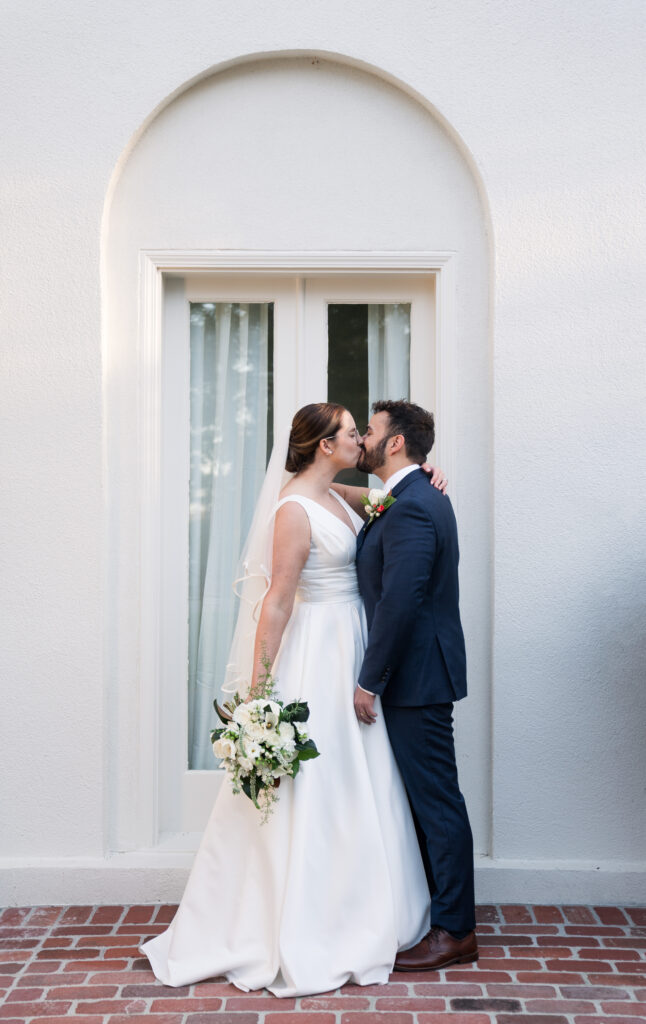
(368, 360)
(231, 438)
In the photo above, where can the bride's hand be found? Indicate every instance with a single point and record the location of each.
(438, 479)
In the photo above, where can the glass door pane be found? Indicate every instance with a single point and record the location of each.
(368, 359)
(231, 435)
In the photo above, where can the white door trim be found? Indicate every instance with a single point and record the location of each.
(153, 264)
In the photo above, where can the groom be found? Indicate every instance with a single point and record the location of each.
(407, 564)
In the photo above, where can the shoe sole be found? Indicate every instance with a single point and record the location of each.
(469, 959)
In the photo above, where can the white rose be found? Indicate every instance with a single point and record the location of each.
(242, 714)
(245, 764)
(224, 747)
(254, 731)
(253, 751)
(376, 497)
(286, 731)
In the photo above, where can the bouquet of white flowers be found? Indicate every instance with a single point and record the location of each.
(261, 741)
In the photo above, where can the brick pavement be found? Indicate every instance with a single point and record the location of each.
(539, 965)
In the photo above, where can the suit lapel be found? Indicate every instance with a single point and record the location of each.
(397, 490)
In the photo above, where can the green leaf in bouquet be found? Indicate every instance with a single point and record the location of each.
(297, 711)
(223, 714)
(216, 733)
(307, 751)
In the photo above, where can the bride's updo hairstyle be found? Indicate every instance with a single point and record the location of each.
(310, 425)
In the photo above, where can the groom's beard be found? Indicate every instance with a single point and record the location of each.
(371, 461)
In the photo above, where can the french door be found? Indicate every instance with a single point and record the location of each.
(241, 353)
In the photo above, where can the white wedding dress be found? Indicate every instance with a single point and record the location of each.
(333, 885)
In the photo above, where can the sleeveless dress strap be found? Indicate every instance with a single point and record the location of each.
(298, 498)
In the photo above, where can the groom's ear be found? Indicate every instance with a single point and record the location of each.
(397, 443)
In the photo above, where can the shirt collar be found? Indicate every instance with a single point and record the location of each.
(393, 480)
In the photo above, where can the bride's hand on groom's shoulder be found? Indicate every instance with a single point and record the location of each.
(437, 476)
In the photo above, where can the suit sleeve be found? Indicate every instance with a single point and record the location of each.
(409, 545)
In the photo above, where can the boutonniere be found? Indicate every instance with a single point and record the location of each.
(376, 504)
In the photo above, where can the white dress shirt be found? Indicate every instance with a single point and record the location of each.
(391, 482)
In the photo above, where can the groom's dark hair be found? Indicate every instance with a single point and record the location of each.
(416, 424)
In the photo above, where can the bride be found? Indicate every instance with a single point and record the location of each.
(332, 886)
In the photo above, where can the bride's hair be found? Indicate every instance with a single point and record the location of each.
(310, 425)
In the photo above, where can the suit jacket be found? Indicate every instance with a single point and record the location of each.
(407, 565)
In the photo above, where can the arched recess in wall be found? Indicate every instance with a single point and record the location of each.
(300, 155)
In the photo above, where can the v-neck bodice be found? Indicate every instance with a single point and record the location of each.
(329, 574)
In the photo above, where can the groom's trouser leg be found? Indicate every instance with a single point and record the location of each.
(422, 741)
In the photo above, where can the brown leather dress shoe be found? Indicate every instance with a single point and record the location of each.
(438, 949)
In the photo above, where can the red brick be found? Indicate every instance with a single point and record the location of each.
(579, 915)
(413, 1003)
(441, 988)
(77, 915)
(58, 943)
(47, 967)
(487, 914)
(528, 929)
(580, 942)
(15, 915)
(64, 954)
(614, 979)
(612, 954)
(512, 964)
(531, 1018)
(453, 1018)
(548, 915)
(24, 994)
(552, 978)
(637, 914)
(625, 943)
(479, 977)
(334, 1003)
(156, 989)
(76, 930)
(129, 1006)
(83, 992)
(15, 944)
(38, 1009)
(258, 1003)
(24, 932)
(50, 979)
(394, 989)
(131, 952)
(608, 1020)
(160, 1018)
(302, 1018)
(630, 967)
(165, 913)
(640, 994)
(94, 965)
(559, 1006)
(193, 1004)
(45, 915)
(504, 940)
(580, 966)
(593, 992)
(219, 1018)
(124, 977)
(7, 957)
(66, 1020)
(516, 914)
(586, 929)
(367, 1017)
(541, 951)
(215, 988)
(140, 931)
(139, 915)
(621, 1008)
(107, 915)
(611, 915)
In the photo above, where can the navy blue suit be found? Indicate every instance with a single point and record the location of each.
(407, 565)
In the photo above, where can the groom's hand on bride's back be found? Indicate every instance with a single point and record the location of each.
(436, 476)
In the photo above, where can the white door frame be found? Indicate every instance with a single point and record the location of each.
(153, 265)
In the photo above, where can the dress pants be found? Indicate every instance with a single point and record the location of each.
(422, 741)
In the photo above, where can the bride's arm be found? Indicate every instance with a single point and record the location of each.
(290, 551)
(353, 495)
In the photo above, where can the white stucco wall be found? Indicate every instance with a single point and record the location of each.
(546, 102)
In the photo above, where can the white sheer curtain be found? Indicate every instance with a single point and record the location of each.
(388, 355)
(229, 413)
